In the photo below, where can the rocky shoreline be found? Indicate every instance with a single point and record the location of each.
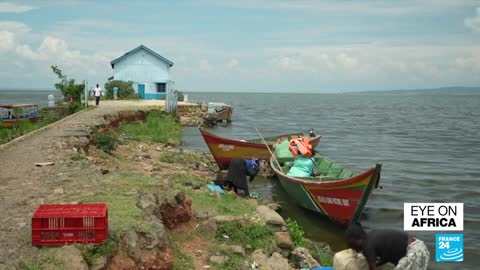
(162, 215)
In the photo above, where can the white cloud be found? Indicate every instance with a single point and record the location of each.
(14, 27)
(7, 40)
(7, 7)
(473, 23)
(204, 65)
(233, 63)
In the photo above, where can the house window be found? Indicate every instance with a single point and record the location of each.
(161, 87)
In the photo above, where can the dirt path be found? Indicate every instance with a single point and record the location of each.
(23, 186)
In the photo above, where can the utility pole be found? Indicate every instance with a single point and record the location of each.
(85, 83)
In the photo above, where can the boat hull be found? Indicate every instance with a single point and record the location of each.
(340, 200)
(224, 149)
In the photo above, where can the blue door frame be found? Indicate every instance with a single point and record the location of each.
(141, 90)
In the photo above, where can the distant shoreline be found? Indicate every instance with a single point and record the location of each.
(440, 90)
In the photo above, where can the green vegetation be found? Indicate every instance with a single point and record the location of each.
(92, 252)
(74, 107)
(182, 157)
(259, 236)
(125, 89)
(119, 191)
(68, 87)
(106, 141)
(158, 128)
(181, 260)
(235, 261)
(296, 232)
(24, 127)
(44, 261)
(324, 255)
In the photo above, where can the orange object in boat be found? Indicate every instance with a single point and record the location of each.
(301, 145)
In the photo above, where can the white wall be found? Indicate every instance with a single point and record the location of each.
(144, 68)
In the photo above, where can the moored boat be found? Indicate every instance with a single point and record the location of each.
(224, 149)
(218, 111)
(336, 192)
(12, 114)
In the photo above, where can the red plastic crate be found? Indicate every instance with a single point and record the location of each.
(61, 224)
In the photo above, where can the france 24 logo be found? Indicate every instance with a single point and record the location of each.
(449, 247)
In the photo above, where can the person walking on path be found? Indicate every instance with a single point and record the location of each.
(98, 93)
(115, 93)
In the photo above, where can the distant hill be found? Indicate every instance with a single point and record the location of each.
(452, 90)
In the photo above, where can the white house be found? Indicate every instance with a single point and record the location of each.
(149, 72)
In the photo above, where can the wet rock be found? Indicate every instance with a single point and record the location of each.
(283, 240)
(72, 258)
(218, 259)
(162, 260)
(121, 262)
(269, 216)
(274, 206)
(147, 202)
(303, 258)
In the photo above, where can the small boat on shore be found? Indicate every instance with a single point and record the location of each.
(13, 114)
(218, 112)
(224, 149)
(336, 192)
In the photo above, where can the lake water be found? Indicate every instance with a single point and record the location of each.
(429, 146)
(38, 97)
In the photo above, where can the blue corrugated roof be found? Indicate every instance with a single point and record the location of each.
(136, 50)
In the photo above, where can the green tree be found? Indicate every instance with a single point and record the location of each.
(125, 89)
(66, 86)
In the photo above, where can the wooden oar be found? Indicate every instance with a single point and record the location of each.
(268, 147)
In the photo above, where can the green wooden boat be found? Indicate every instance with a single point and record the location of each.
(336, 192)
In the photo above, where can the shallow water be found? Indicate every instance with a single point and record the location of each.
(429, 146)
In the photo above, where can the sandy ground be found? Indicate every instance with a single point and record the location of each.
(23, 186)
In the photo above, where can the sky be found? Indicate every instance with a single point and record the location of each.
(248, 45)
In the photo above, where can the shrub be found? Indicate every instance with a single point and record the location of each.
(92, 252)
(125, 89)
(296, 232)
(74, 107)
(106, 141)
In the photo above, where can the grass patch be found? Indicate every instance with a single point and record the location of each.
(182, 157)
(24, 127)
(45, 261)
(324, 255)
(225, 205)
(182, 178)
(296, 232)
(106, 141)
(120, 192)
(92, 252)
(257, 235)
(181, 261)
(76, 157)
(234, 261)
(157, 128)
